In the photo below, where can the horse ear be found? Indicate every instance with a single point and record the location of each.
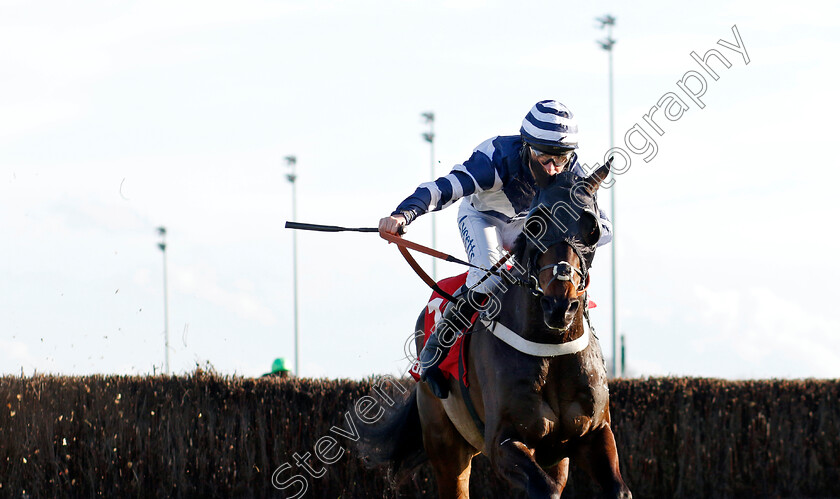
(594, 180)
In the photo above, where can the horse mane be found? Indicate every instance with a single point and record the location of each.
(520, 245)
(522, 253)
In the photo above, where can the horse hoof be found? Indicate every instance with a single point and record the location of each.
(624, 493)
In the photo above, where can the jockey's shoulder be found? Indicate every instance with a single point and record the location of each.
(500, 146)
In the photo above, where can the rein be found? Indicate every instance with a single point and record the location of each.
(403, 246)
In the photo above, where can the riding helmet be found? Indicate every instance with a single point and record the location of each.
(550, 127)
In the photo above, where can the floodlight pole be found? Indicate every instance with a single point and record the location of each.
(291, 161)
(608, 22)
(430, 138)
(162, 246)
(623, 347)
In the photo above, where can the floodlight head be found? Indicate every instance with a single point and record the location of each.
(430, 116)
(291, 160)
(606, 20)
(606, 44)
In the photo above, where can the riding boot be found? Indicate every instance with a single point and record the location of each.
(456, 318)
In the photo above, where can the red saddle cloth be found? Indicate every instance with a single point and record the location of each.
(434, 312)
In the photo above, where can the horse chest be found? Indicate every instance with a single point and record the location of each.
(579, 404)
(578, 417)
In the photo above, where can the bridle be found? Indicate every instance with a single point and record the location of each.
(560, 271)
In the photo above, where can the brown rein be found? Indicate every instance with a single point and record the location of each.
(403, 246)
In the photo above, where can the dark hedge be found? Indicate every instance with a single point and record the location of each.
(205, 435)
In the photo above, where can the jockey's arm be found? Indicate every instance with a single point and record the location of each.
(476, 175)
(606, 228)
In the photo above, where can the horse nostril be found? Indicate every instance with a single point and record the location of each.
(556, 311)
(547, 304)
(571, 309)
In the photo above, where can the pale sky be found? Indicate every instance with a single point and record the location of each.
(119, 117)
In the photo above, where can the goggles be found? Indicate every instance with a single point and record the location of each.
(559, 159)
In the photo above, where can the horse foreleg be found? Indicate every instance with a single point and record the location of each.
(450, 455)
(597, 454)
(560, 474)
(514, 461)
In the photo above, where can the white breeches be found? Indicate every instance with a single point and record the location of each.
(484, 237)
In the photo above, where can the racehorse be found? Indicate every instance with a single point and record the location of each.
(536, 376)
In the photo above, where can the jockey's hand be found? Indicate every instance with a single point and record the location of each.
(395, 224)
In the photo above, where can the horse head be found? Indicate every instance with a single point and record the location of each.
(558, 244)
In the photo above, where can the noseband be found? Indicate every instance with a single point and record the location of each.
(560, 271)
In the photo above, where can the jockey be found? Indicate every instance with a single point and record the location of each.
(498, 183)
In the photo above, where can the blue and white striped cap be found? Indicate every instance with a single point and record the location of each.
(550, 124)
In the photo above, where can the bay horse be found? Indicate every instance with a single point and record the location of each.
(536, 376)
